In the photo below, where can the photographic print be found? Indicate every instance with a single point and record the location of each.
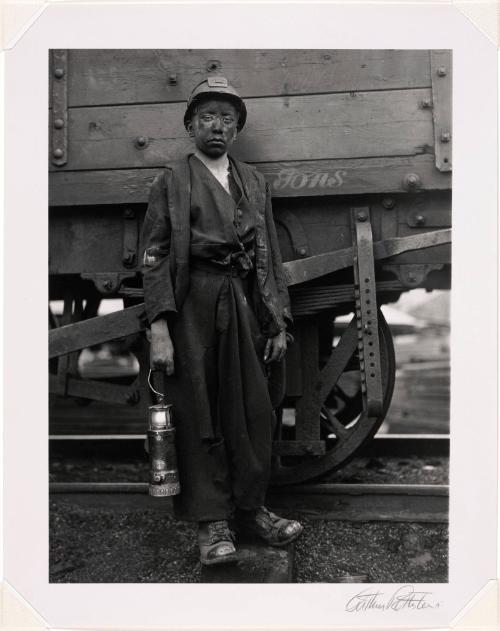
(267, 237)
(258, 244)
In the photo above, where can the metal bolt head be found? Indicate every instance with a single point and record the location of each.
(426, 103)
(172, 79)
(445, 136)
(412, 181)
(362, 216)
(442, 71)
(58, 153)
(58, 123)
(141, 141)
(420, 220)
(412, 278)
(388, 203)
(212, 65)
(302, 251)
(59, 73)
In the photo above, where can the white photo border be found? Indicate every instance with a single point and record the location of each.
(473, 505)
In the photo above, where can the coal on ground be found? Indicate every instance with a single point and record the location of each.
(103, 545)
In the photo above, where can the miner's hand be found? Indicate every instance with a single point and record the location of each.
(275, 348)
(162, 349)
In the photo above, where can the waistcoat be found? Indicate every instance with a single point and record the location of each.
(222, 223)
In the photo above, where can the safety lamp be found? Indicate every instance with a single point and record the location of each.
(163, 472)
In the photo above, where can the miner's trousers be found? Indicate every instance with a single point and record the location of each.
(222, 409)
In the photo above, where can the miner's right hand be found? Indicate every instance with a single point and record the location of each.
(162, 349)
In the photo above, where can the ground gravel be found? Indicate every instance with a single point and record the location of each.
(99, 545)
(380, 552)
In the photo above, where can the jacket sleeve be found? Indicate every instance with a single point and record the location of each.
(159, 298)
(277, 264)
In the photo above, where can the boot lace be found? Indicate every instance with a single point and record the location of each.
(219, 531)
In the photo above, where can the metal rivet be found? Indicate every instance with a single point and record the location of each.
(442, 71)
(141, 141)
(445, 136)
(420, 220)
(58, 153)
(362, 216)
(172, 79)
(59, 73)
(412, 181)
(426, 103)
(388, 203)
(58, 123)
(212, 65)
(302, 251)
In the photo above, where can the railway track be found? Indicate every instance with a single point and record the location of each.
(341, 502)
(332, 501)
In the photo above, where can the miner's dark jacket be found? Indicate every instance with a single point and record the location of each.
(165, 244)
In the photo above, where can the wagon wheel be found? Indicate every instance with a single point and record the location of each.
(343, 423)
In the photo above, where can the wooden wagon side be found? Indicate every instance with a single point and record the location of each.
(356, 146)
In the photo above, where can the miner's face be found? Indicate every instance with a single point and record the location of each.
(213, 126)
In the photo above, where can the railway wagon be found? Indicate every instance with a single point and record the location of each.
(356, 146)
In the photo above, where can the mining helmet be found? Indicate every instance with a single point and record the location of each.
(215, 86)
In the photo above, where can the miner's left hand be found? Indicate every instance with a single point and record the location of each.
(275, 348)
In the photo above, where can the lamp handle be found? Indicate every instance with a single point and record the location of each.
(160, 394)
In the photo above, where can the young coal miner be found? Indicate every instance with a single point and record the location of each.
(217, 304)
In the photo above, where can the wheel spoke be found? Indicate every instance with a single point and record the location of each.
(339, 358)
(333, 422)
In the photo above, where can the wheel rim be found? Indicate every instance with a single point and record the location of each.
(353, 428)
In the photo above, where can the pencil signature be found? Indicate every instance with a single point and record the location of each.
(406, 597)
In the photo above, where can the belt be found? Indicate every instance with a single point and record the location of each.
(221, 270)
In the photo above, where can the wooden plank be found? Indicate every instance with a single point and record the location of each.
(95, 390)
(72, 337)
(307, 415)
(130, 446)
(442, 83)
(101, 76)
(286, 178)
(313, 127)
(76, 242)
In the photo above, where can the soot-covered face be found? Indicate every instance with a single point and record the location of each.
(214, 126)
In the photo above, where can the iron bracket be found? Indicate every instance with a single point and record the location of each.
(59, 121)
(441, 80)
(295, 231)
(106, 282)
(130, 237)
(412, 275)
(365, 293)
